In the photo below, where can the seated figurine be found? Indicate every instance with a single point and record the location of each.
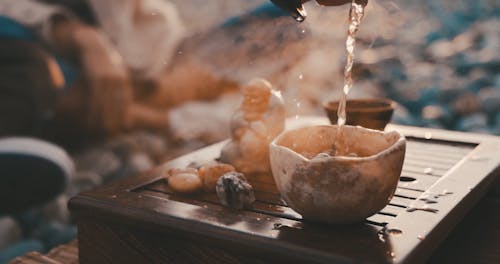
(259, 119)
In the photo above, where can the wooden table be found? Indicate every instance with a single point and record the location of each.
(139, 220)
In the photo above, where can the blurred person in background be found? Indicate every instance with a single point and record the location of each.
(77, 61)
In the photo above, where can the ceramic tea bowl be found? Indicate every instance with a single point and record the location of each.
(374, 113)
(330, 188)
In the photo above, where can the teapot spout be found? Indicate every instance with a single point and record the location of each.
(292, 7)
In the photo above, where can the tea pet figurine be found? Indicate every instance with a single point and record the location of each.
(259, 119)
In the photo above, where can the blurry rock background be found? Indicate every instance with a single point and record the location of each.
(440, 60)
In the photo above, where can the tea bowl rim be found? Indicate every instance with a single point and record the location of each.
(400, 143)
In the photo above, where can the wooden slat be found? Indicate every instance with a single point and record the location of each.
(424, 158)
(422, 170)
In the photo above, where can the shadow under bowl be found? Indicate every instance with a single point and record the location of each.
(374, 113)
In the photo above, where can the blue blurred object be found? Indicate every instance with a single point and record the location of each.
(10, 29)
(53, 234)
(19, 249)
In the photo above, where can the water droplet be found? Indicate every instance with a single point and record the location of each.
(258, 218)
(277, 226)
(428, 135)
(113, 196)
(381, 237)
(428, 171)
(301, 76)
(179, 52)
(393, 231)
(139, 196)
(300, 18)
(393, 254)
(420, 237)
(268, 218)
(303, 31)
(205, 206)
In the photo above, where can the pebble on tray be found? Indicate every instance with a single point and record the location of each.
(211, 173)
(184, 180)
(234, 191)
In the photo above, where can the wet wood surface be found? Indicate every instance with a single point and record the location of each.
(141, 219)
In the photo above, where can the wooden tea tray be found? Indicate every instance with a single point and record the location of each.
(139, 219)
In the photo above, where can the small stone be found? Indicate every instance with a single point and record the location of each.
(403, 116)
(153, 144)
(475, 122)
(451, 87)
(234, 191)
(99, 160)
(437, 116)
(490, 100)
(466, 104)
(441, 49)
(140, 162)
(479, 83)
(10, 232)
(496, 127)
(84, 181)
(136, 163)
(57, 210)
(497, 81)
(184, 181)
(432, 112)
(211, 173)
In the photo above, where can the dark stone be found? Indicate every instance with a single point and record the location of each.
(234, 191)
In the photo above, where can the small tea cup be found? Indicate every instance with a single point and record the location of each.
(374, 113)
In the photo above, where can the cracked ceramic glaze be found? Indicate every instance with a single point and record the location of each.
(337, 189)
